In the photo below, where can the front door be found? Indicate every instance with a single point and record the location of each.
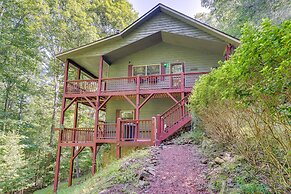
(176, 68)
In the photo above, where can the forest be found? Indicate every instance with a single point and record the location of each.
(257, 77)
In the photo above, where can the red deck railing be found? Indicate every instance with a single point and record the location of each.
(136, 130)
(175, 114)
(81, 86)
(77, 135)
(106, 131)
(135, 83)
(129, 131)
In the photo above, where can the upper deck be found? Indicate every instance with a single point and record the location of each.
(165, 83)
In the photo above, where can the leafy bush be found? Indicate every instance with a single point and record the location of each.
(195, 136)
(246, 102)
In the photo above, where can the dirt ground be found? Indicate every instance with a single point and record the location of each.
(179, 170)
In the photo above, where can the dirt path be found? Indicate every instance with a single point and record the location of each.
(179, 170)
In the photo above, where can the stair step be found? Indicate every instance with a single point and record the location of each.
(170, 131)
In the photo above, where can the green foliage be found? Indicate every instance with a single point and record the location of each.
(32, 32)
(192, 137)
(246, 102)
(237, 177)
(12, 177)
(258, 72)
(230, 16)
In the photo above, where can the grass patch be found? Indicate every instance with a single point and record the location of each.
(237, 177)
(119, 172)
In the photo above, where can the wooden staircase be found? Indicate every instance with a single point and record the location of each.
(174, 119)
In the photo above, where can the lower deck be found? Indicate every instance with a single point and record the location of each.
(124, 132)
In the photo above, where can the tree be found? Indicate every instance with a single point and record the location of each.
(245, 103)
(32, 32)
(230, 16)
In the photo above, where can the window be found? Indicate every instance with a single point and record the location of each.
(139, 70)
(127, 114)
(146, 70)
(177, 68)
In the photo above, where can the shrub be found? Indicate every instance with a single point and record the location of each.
(246, 102)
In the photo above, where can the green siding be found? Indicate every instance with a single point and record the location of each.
(160, 22)
(156, 54)
(153, 107)
(193, 59)
(164, 52)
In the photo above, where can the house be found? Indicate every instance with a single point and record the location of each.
(139, 79)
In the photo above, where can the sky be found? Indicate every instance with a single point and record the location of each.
(187, 7)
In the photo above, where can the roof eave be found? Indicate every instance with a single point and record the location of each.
(160, 7)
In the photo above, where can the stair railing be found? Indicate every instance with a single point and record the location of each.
(172, 116)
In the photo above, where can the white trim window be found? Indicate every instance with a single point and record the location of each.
(143, 70)
(127, 114)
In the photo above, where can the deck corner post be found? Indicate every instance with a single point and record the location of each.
(118, 138)
(158, 129)
(100, 75)
(71, 172)
(182, 82)
(153, 130)
(66, 75)
(57, 171)
(183, 103)
(138, 84)
(137, 114)
(94, 154)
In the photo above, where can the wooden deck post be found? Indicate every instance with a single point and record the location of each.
(118, 137)
(71, 172)
(100, 75)
(58, 159)
(183, 93)
(71, 167)
(94, 154)
(158, 129)
(97, 104)
(153, 130)
(137, 108)
(57, 171)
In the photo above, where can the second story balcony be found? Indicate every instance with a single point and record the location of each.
(182, 82)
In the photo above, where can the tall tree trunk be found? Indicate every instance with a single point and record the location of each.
(6, 100)
(21, 107)
(55, 106)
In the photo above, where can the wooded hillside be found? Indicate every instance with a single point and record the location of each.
(32, 32)
(245, 103)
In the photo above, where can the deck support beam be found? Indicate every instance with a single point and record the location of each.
(183, 103)
(129, 101)
(73, 149)
(97, 105)
(73, 157)
(118, 138)
(94, 154)
(183, 92)
(71, 172)
(89, 101)
(105, 101)
(57, 171)
(145, 101)
(58, 159)
(171, 96)
(66, 108)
